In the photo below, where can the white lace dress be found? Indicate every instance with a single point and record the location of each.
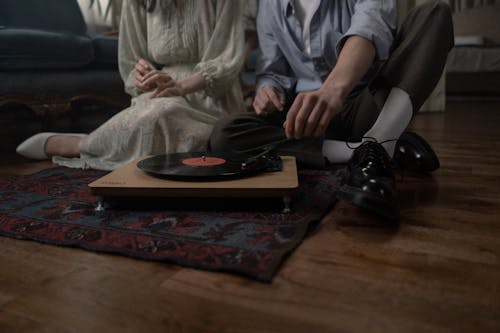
(185, 37)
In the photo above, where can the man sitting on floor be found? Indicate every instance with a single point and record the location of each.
(336, 83)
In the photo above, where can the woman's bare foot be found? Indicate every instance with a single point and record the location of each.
(63, 145)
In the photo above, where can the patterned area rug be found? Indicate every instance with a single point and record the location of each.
(54, 206)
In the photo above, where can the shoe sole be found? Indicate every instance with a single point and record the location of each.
(432, 163)
(368, 202)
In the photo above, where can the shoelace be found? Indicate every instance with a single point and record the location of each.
(374, 153)
(369, 153)
(369, 139)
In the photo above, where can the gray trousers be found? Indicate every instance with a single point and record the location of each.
(417, 59)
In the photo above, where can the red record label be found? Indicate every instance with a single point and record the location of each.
(203, 161)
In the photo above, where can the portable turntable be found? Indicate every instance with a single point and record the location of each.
(200, 176)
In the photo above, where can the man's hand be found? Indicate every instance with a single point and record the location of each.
(268, 100)
(142, 68)
(164, 85)
(311, 113)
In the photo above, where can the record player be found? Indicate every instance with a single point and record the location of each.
(200, 175)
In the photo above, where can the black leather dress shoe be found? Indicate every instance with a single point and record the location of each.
(369, 181)
(415, 154)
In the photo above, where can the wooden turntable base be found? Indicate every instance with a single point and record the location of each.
(130, 181)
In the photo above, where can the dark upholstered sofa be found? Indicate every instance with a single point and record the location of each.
(49, 66)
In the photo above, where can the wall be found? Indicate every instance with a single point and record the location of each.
(480, 21)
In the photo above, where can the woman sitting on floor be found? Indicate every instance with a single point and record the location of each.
(180, 62)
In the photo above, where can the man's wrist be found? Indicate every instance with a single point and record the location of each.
(337, 90)
(270, 83)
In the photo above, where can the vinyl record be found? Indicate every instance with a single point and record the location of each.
(198, 166)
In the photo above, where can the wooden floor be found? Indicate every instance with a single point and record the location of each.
(439, 270)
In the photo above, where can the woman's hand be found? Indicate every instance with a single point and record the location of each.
(142, 68)
(163, 84)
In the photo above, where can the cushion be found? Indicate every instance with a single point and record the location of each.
(61, 81)
(38, 49)
(105, 51)
(61, 15)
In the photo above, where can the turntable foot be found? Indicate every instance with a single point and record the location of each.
(287, 203)
(100, 205)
